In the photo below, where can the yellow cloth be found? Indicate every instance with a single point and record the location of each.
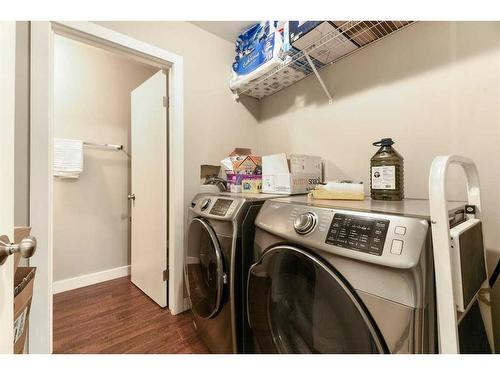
(341, 195)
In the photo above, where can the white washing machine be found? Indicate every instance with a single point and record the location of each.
(346, 277)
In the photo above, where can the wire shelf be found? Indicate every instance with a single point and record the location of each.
(347, 37)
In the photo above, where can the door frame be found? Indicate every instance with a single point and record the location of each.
(41, 146)
(7, 130)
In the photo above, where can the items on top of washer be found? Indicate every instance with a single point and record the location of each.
(292, 174)
(386, 172)
(243, 170)
(341, 190)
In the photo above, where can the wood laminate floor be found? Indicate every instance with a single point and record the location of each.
(117, 317)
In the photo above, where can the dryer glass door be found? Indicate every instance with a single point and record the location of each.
(297, 303)
(205, 270)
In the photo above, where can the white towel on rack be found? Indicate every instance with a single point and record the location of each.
(68, 158)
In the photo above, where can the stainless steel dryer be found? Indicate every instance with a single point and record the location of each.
(220, 242)
(343, 277)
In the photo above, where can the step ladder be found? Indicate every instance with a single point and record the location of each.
(448, 306)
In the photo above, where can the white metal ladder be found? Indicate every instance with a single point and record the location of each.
(446, 306)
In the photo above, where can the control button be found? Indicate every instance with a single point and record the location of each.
(400, 230)
(396, 247)
(204, 204)
(362, 246)
(364, 239)
(305, 223)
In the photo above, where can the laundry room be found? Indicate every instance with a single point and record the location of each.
(218, 186)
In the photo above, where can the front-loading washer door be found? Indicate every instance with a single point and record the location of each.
(205, 269)
(297, 303)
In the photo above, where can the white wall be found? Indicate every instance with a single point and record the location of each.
(214, 123)
(434, 88)
(92, 103)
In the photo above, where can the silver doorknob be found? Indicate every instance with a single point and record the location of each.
(131, 197)
(26, 247)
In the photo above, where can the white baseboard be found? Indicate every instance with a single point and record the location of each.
(89, 279)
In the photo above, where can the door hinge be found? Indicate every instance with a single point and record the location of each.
(165, 275)
(165, 102)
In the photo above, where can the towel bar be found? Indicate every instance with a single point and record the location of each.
(116, 147)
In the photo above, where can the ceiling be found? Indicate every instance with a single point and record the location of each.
(227, 30)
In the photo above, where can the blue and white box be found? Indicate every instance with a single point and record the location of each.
(258, 51)
(321, 39)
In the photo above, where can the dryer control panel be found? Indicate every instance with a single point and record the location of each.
(216, 207)
(221, 207)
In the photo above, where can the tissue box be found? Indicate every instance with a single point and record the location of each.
(296, 174)
(235, 182)
(251, 184)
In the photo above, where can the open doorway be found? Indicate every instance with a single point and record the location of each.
(92, 216)
(110, 211)
(42, 167)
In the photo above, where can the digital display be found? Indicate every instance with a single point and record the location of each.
(220, 207)
(357, 233)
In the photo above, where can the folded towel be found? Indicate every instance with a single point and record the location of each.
(68, 158)
(339, 190)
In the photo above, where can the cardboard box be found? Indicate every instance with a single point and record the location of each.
(307, 34)
(367, 31)
(296, 174)
(19, 234)
(297, 29)
(241, 160)
(23, 293)
(239, 165)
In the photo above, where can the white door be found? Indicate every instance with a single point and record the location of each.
(7, 90)
(149, 188)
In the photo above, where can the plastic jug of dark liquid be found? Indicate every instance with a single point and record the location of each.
(386, 172)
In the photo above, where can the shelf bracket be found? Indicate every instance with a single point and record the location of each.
(330, 99)
(236, 96)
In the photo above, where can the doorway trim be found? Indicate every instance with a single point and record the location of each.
(41, 156)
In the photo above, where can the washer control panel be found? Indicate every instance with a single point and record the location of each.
(385, 239)
(358, 233)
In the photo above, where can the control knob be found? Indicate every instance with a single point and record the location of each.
(204, 204)
(305, 223)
